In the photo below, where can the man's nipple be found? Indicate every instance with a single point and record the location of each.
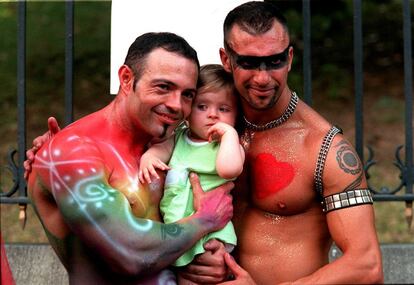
(281, 205)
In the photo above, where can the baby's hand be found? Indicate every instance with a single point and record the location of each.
(217, 131)
(147, 166)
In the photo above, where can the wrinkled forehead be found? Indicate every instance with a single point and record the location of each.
(240, 39)
(173, 67)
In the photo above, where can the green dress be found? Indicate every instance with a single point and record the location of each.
(177, 202)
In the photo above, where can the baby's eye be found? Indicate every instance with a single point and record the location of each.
(224, 109)
(202, 107)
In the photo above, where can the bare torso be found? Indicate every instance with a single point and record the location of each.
(83, 263)
(280, 225)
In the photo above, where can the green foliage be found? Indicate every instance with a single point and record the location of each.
(334, 80)
(332, 39)
(45, 66)
(8, 53)
(383, 106)
(45, 55)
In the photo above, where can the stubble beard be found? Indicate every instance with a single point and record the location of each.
(263, 107)
(164, 132)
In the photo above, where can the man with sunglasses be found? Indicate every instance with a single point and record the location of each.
(303, 185)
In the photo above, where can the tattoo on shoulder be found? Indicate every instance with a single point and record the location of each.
(349, 162)
(347, 158)
(172, 230)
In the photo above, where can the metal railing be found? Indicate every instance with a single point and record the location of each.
(18, 192)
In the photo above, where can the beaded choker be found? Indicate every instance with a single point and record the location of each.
(276, 122)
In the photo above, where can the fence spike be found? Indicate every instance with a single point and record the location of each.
(22, 215)
(409, 213)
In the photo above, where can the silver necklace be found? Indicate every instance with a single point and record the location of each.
(276, 122)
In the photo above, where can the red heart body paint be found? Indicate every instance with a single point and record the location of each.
(270, 176)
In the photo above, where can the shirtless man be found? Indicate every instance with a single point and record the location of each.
(284, 234)
(102, 223)
(284, 231)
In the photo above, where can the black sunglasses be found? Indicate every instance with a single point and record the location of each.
(270, 62)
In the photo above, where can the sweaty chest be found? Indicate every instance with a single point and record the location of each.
(280, 178)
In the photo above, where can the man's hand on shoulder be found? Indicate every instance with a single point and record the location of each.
(38, 142)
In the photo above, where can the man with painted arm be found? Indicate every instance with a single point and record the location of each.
(303, 185)
(102, 223)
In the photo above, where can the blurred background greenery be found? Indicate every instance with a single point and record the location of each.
(332, 84)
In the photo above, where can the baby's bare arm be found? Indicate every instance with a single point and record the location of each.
(156, 157)
(230, 157)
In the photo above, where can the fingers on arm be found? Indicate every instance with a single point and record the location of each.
(160, 165)
(212, 134)
(199, 278)
(216, 131)
(27, 164)
(144, 176)
(232, 264)
(195, 184)
(214, 245)
(53, 125)
(222, 190)
(146, 171)
(37, 143)
(27, 169)
(208, 267)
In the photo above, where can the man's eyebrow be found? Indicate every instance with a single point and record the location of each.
(163, 81)
(193, 90)
(276, 55)
(171, 83)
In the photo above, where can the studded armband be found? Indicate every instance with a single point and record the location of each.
(346, 199)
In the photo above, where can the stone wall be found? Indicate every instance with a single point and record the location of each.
(37, 264)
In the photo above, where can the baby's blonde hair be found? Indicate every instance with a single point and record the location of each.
(213, 77)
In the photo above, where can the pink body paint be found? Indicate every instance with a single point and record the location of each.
(270, 176)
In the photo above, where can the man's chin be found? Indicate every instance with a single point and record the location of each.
(264, 104)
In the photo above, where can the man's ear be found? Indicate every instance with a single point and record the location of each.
(126, 78)
(290, 57)
(225, 60)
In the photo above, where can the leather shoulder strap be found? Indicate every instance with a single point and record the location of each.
(320, 163)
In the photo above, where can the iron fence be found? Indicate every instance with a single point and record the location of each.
(18, 192)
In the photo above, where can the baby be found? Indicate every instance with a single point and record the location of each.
(209, 147)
